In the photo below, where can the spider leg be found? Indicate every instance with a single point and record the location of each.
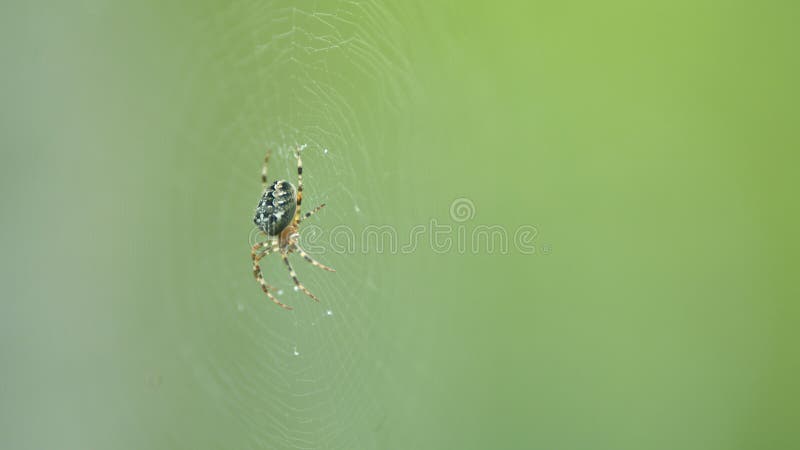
(257, 272)
(267, 251)
(264, 170)
(294, 277)
(308, 258)
(309, 214)
(254, 251)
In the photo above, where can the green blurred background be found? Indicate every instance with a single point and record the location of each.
(652, 145)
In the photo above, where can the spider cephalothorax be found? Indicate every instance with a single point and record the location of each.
(278, 217)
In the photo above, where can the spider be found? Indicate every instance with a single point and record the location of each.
(278, 217)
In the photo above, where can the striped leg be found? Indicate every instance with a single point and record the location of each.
(257, 271)
(254, 251)
(310, 213)
(294, 278)
(267, 251)
(264, 170)
(268, 248)
(313, 262)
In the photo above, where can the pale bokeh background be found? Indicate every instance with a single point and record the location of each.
(653, 146)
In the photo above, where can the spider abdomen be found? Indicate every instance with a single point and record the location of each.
(275, 210)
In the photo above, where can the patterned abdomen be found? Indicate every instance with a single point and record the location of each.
(276, 209)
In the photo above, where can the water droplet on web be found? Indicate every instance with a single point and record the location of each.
(296, 288)
(325, 151)
(358, 210)
(329, 313)
(295, 352)
(280, 291)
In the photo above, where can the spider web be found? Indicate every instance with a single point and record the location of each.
(323, 75)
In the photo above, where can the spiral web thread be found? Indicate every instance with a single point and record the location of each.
(295, 74)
